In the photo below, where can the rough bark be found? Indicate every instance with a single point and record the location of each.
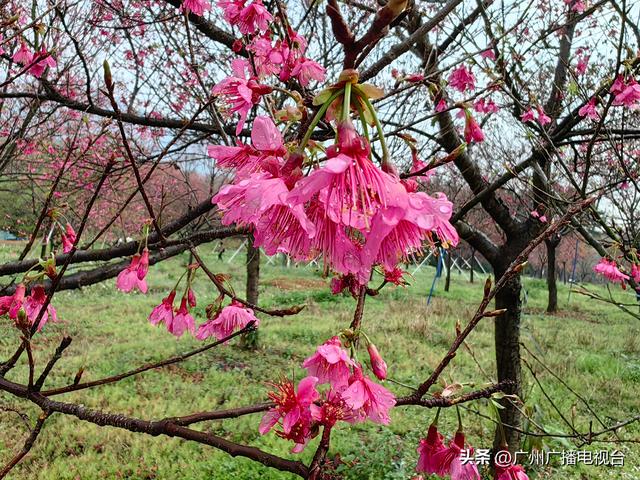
(250, 340)
(552, 244)
(507, 344)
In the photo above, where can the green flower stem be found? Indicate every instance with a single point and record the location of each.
(346, 102)
(365, 127)
(383, 143)
(316, 120)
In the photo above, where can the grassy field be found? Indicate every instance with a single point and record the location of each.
(593, 347)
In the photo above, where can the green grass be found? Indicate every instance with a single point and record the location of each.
(593, 347)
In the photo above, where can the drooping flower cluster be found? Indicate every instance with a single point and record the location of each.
(36, 63)
(349, 210)
(231, 318)
(134, 275)
(538, 115)
(68, 238)
(627, 92)
(30, 306)
(436, 458)
(221, 322)
(609, 269)
(351, 397)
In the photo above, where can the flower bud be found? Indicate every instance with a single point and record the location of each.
(108, 79)
(191, 298)
(143, 265)
(378, 365)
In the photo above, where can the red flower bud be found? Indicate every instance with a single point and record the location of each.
(378, 365)
(143, 265)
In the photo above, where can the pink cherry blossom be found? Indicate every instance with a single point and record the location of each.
(355, 188)
(543, 118)
(589, 110)
(292, 53)
(345, 282)
(307, 70)
(254, 18)
(11, 304)
(68, 238)
(583, 63)
(448, 461)
(512, 472)
(163, 312)
(191, 298)
(23, 56)
(489, 54)
(181, 321)
(378, 365)
(330, 364)
(609, 269)
(197, 7)
(268, 58)
(472, 131)
(462, 79)
(339, 251)
(414, 77)
(528, 116)
(372, 399)
(635, 272)
(34, 303)
(397, 232)
(441, 106)
(266, 152)
(232, 9)
(618, 85)
(332, 410)
(262, 201)
(577, 6)
(483, 105)
(128, 278)
(629, 96)
(430, 451)
(292, 411)
(395, 276)
(46, 61)
(239, 92)
(231, 318)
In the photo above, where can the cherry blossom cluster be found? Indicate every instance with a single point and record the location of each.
(25, 310)
(350, 396)
(609, 269)
(306, 199)
(34, 62)
(221, 321)
(281, 59)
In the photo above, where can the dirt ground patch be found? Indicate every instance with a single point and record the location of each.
(286, 283)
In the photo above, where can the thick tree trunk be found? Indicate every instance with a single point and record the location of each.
(250, 340)
(507, 344)
(552, 245)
